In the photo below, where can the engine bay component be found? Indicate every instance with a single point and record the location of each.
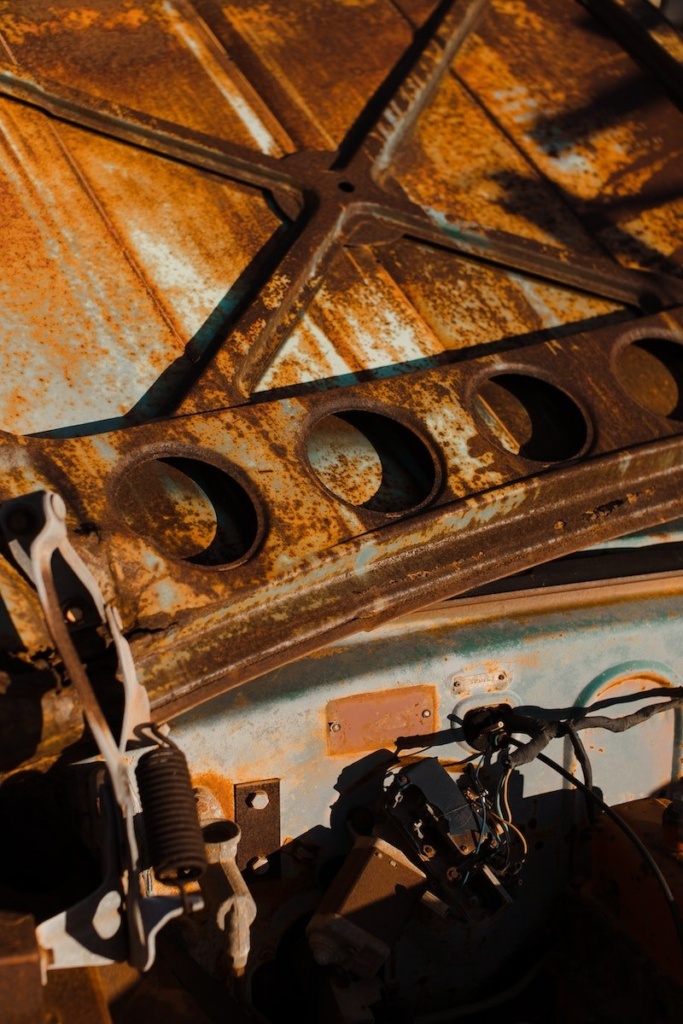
(257, 814)
(366, 907)
(465, 847)
(174, 842)
(628, 890)
(219, 938)
(437, 840)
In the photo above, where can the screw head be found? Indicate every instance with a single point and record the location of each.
(334, 727)
(259, 799)
(426, 713)
(73, 613)
(259, 865)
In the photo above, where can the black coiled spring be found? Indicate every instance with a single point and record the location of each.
(174, 839)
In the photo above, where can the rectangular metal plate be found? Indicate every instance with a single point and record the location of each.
(370, 720)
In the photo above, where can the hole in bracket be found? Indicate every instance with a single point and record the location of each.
(190, 510)
(372, 461)
(651, 371)
(530, 417)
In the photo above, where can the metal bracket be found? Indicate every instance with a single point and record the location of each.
(257, 813)
(92, 932)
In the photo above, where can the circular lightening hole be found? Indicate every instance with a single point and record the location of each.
(190, 510)
(651, 371)
(371, 461)
(530, 417)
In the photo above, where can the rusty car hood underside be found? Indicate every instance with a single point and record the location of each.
(317, 315)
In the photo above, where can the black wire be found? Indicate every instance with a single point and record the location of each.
(631, 835)
(542, 732)
(584, 760)
(627, 721)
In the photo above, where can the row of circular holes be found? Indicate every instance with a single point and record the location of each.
(194, 511)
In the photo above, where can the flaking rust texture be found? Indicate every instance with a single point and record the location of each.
(315, 314)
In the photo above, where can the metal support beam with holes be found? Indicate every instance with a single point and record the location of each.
(276, 514)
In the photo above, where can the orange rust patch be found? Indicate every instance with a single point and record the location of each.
(222, 788)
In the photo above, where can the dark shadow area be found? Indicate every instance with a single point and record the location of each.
(588, 566)
(45, 866)
(385, 93)
(591, 25)
(526, 198)
(22, 686)
(636, 32)
(176, 988)
(557, 133)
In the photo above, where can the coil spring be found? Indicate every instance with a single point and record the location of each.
(174, 839)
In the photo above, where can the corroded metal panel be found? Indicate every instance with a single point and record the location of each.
(311, 328)
(315, 315)
(379, 718)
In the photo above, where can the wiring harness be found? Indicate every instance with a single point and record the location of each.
(514, 753)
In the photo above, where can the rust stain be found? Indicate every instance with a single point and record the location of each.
(223, 789)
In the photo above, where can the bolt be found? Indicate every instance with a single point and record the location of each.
(259, 799)
(259, 865)
(452, 874)
(73, 613)
(426, 713)
(428, 851)
(334, 727)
